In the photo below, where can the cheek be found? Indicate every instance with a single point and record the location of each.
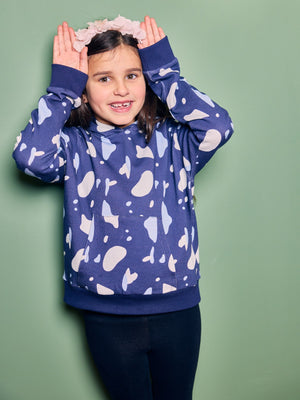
(142, 93)
(95, 96)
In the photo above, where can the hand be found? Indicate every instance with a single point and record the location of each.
(153, 33)
(63, 51)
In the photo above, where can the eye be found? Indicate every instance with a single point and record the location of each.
(104, 79)
(131, 76)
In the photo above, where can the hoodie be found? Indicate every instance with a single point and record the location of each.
(130, 231)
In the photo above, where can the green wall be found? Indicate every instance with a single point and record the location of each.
(245, 55)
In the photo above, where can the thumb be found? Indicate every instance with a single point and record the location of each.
(83, 60)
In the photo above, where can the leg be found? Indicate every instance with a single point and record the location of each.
(175, 343)
(118, 345)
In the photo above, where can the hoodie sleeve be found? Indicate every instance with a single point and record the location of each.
(39, 150)
(205, 125)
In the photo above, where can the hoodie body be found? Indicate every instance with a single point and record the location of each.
(130, 231)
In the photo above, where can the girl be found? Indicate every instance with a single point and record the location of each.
(127, 134)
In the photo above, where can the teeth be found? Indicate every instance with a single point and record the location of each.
(119, 105)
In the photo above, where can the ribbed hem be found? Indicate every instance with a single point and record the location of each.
(132, 304)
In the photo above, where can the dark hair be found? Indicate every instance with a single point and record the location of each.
(153, 109)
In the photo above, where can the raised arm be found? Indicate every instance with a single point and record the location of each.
(205, 125)
(39, 150)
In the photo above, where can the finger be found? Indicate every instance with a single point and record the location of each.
(143, 26)
(60, 40)
(155, 31)
(83, 60)
(72, 35)
(149, 31)
(161, 33)
(66, 33)
(144, 42)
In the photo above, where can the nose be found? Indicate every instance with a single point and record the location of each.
(121, 88)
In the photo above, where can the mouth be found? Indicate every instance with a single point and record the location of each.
(121, 106)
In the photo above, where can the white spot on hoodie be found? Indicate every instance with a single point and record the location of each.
(196, 114)
(211, 140)
(84, 188)
(128, 278)
(144, 185)
(104, 290)
(43, 111)
(113, 256)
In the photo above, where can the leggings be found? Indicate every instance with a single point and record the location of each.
(146, 357)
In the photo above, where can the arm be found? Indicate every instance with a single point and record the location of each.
(207, 125)
(39, 150)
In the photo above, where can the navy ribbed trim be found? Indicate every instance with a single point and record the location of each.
(68, 78)
(158, 54)
(132, 304)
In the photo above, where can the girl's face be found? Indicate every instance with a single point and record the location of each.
(116, 86)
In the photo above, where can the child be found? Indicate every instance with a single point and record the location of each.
(127, 134)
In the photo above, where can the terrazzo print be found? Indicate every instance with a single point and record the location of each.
(129, 220)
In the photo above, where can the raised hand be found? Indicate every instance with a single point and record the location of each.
(63, 51)
(153, 33)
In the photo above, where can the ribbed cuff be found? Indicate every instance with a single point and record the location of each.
(68, 78)
(158, 54)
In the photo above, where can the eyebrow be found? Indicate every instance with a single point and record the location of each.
(128, 70)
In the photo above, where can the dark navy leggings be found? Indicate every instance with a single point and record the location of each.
(146, 357)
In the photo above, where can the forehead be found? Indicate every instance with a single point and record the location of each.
(122, 57)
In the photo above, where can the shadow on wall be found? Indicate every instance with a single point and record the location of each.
(32, 187)
(77, 316)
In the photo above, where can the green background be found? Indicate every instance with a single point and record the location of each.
(245, 55)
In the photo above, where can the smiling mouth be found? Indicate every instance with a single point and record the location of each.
(121, 106)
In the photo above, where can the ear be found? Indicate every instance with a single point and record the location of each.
(84, 98)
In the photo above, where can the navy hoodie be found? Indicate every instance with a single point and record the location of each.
(130, 233)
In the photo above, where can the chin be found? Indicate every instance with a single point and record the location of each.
(122, 123)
